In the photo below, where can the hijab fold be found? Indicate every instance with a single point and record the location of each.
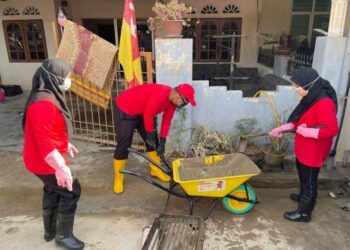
(320, 89)
(45, 87)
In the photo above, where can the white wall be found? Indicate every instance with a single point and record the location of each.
(22, 73)
(218, 109)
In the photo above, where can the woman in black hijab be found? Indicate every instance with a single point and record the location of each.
(47, 127)
(316, 122)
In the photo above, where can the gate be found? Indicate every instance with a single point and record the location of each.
(95, 124)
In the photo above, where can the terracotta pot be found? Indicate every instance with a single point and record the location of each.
(272, 160)
(172, 28)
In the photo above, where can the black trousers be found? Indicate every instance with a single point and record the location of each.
(58, 197)
(308, 177)
(124, 126)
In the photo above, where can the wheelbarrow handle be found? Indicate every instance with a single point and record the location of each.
(164, 169)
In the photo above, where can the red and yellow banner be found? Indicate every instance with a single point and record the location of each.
(129, 54)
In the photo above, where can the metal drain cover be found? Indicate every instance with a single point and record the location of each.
(174, 232)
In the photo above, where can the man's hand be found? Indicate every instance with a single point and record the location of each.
(151, 139)
(161, 146)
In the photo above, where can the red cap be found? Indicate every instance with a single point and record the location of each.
(187, 91)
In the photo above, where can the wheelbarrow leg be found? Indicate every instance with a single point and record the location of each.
(191, 205)
(211, 209)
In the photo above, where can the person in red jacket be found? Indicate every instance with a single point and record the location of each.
(47, 128)
(318, 107)
(136, 108)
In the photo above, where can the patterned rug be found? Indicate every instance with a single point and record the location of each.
(93, 60)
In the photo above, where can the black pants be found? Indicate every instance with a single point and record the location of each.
(58, 197)
(308, 180)
(124, 126)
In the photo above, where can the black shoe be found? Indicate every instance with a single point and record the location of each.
(297, 216)
(64, 236)
(50, 219)
(295, 197)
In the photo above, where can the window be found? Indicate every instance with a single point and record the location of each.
(308, 15)
(25, 40)
(212, 39)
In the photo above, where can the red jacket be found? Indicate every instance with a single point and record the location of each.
(148, 100)
(313, 152)
(45, 130)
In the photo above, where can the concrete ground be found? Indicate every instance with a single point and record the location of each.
(108, 221)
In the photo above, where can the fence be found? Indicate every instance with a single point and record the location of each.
(298, 61)
(95, 124)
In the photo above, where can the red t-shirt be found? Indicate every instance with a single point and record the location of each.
(148, 100)
(313, 152)
(45, 131)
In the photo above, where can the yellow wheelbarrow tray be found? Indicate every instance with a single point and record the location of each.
(219, 176)
(213, 176)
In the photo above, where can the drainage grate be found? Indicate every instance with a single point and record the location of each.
(170, 232)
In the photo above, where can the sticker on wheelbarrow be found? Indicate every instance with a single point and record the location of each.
(205, 186)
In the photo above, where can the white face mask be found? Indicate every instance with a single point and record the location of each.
(66, 84)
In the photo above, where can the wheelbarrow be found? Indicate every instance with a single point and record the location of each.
(220, 176)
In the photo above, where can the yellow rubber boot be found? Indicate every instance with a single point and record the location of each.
(118, 177)
(155, 171)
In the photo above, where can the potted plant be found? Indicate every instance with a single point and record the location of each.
(281, 42)
(170, 16)
(247, 126)
(276, 148)
(274, 151)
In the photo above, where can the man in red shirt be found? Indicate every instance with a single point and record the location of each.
(137, 108)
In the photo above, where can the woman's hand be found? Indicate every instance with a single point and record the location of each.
(277, 132)
(72, 149)
(308, 132)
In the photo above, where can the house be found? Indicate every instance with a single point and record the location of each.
(29, 33)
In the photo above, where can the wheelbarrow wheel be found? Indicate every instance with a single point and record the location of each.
(239, 207)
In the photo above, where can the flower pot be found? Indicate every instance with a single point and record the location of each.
(283, 51)
(172, 28)
(254, 152)
(272, 160)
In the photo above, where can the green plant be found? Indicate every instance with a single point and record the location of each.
(205, 142)
(276, 145)
(170, 10)
(247, 126)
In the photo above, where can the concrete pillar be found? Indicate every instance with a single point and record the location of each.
(332, 61)
(338, 18)
(173, 67)
(280, 65)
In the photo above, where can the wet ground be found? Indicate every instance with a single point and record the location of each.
(108, 221)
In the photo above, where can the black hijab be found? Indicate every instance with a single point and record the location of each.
(45, 86)
(318, 90)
